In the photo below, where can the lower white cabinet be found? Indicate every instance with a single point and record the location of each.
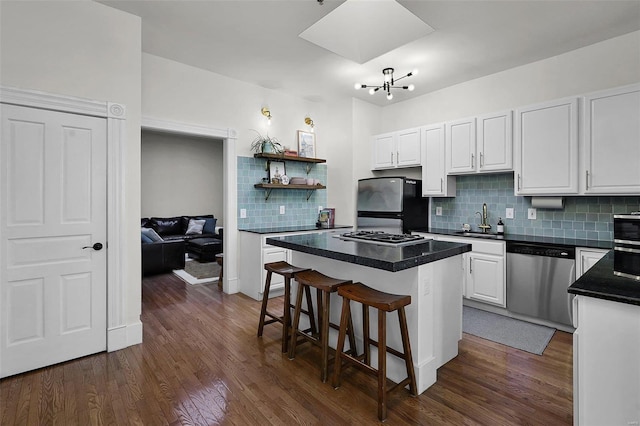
(254, 252)
(485, 269)
(606, 367)
(586, 258)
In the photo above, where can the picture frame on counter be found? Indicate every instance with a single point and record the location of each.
(306, 144)
(276, 171)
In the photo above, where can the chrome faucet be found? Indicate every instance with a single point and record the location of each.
(484, 226)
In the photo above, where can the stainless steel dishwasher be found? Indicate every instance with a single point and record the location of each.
(538, 276)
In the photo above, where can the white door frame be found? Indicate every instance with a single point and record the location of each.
(230, 190)
(119, 333)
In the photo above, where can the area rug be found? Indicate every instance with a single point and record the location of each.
(195, 272)
(512, 332)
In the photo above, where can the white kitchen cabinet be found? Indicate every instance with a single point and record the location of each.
(546, 148)
(586, 258)
(606, 371)
(435, 182)
(486, 278)
(460, 138)
(397, 149)
(485, 269)
(611, 142)
(495, 142)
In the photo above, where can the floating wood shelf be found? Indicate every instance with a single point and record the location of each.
(268, 187)
(281, 157)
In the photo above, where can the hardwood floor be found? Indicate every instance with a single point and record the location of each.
(202, 364)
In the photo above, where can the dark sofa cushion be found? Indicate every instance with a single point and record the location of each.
(167, 225)
(144, 222)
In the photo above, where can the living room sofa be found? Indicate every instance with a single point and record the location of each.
(165, 250)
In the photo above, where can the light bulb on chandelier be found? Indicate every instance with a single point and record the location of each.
(388, 83)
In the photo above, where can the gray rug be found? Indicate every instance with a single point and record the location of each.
(518, 334)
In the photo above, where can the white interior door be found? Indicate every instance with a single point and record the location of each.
(52, 212)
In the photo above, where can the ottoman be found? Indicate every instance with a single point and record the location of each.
(204, 249)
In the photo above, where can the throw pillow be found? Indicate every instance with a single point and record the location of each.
(195, 226)
(209, 226)
(153, 235)
(145, 239)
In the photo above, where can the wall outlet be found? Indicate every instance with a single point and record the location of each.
(509, 213)
(438, 211)
(243, 213)
(281, 209)
(320, 209)
(531, 214)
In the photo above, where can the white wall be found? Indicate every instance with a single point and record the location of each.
(180, 93)
(88, 50)
(181, 175)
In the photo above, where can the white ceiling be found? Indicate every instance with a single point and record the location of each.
(258, 41)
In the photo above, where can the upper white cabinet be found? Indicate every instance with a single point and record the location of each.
(480, 145)
(495, 142)
(611, 142)
(461, 146)
(546, 160)
(396, 149)
(435, 182)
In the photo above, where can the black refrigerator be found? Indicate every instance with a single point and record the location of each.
(392, 204)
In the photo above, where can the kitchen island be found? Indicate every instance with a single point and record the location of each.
(431, 272)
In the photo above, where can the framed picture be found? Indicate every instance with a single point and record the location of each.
(306, 144)
(276, 171)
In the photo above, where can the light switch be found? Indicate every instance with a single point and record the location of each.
(243, 213)
(281, 209)
(509, 213)
(531, 213)
(438, 211)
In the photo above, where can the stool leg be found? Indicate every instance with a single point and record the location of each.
(324, 334)
(344, 318)
(312, 316)
(408, 359)
(286, 315)
(366, 334)
(352, 338)
(382, 365)
(265, 299)
(296, 321)
(320, 302)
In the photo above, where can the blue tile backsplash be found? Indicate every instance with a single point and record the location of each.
(582, 217)
(261, 213)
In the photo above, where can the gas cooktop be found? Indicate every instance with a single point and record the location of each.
(379, 237)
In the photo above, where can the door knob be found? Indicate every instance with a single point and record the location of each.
(96, 247)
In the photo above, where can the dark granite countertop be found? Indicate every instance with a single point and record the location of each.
(294, 228)
(574, 242)
(600, 282)
(389, 258)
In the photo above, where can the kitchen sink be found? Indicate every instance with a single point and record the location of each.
(479, 235)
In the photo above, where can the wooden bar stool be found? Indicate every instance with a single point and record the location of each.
(324, 286)
(288, 272)
(383, 302)
(220, 261)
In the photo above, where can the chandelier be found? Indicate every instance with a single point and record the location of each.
(388, 83)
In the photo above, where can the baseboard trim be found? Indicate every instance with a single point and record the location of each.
(124, 336)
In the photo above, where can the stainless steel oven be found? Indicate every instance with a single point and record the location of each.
(626, 245)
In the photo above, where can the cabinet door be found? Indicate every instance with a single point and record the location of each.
(611, 142)
(495, 142)
(275, 254)
(384, 151)
(461, 146)
(547, 148)
(435, 182)
(586, 258)
(408, 148)
(486, 279)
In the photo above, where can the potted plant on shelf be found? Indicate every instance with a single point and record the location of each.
(266, 144)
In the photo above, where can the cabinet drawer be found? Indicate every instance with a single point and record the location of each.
(478, 246)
